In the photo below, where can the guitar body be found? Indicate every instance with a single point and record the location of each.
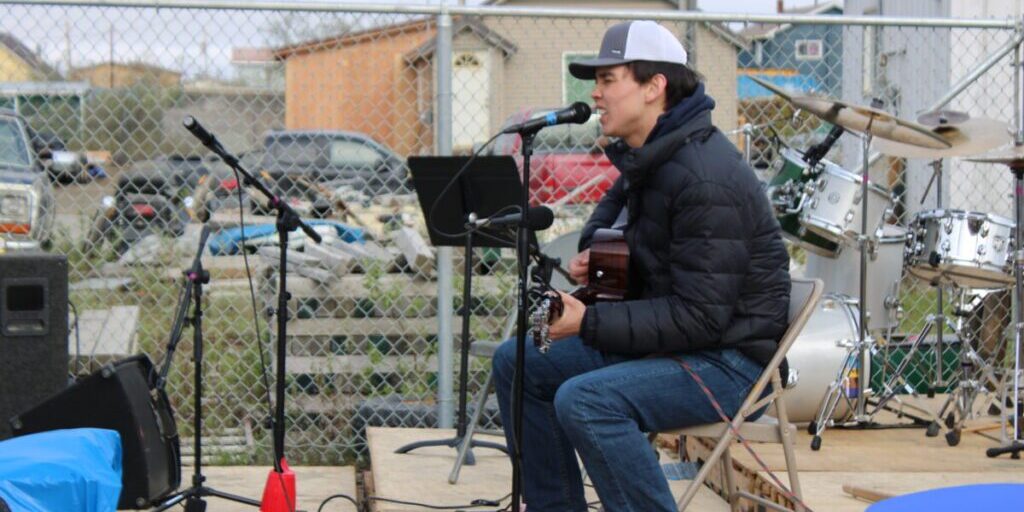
(608, 270)
(607, 280)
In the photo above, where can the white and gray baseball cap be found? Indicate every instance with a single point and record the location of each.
(630, 41)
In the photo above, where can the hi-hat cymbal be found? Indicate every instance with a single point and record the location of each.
(966, 136)
(1012, 156)
(861, 119)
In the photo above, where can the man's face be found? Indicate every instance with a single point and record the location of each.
(620, 100)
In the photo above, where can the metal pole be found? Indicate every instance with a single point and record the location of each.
(940, 323)
(865, 244)
(445, 274)
(565, 12)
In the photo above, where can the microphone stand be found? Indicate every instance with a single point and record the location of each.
(196, 277)
(523, 258)
(287, 221)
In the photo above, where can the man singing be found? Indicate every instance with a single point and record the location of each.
(709, 285)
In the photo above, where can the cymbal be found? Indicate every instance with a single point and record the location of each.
(1012, 156)
(966, 135)
(861, 119)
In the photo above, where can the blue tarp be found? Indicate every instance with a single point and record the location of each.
(75, 469)
(229, 241)
(747, 88)
(957, 499)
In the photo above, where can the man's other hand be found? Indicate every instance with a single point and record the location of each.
(579, 267)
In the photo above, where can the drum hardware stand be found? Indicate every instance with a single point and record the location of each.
(940, 347)
(975, 375)
(864, 346)
(1012, 443)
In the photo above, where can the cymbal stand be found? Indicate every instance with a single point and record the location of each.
(856, 385)
(1012, 442)
(859, 355)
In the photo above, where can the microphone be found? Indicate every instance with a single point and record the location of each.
(538, 218)
(815, 153)
(198, 131)
(577, 113)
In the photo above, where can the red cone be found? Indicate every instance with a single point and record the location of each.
(279, 493)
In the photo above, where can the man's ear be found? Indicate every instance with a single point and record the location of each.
(655, 88)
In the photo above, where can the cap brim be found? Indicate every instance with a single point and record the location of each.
(587, 69)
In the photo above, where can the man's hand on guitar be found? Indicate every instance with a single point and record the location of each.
(579, 266)
(572, 316)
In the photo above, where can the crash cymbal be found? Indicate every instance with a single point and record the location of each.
(1012, 156)
(966, 135)
(861, 119)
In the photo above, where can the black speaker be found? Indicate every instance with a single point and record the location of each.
(121, 397)
(33, 331)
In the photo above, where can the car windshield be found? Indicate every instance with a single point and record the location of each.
(13, 150)
(353, 153)
(295, 150)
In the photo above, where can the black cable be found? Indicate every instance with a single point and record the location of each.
(256, 322)
(474, 504)
(252, 295)
(333, 496)
(452, 181)
(78, 342)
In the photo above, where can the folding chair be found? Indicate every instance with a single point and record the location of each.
(803, 299)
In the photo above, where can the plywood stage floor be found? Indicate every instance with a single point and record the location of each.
(890, 461)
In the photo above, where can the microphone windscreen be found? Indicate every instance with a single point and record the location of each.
(541, 218)
(581, 112)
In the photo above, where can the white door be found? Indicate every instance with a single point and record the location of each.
(471, 91)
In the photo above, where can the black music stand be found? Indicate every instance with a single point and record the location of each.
(491, 185)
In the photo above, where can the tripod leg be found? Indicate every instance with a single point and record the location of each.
(465, 454)
(830, 401)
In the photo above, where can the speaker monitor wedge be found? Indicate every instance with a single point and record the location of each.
(120, 397)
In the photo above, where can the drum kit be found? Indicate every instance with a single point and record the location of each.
(842, 219)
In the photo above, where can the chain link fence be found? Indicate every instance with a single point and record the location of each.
(327, 106)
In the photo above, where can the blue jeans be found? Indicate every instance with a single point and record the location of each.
(578, 399)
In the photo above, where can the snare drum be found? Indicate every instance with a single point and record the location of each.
(817, 356)
(832, 208)
(786, 192)
(969, 249)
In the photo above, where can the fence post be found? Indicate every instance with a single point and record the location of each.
(445, 293)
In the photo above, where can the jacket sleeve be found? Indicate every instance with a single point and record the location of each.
(605, 213)
(709, 254)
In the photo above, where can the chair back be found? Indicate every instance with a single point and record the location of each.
(803, 298)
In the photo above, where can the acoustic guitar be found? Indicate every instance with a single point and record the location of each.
(607, 280)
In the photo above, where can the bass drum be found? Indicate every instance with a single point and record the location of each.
(818, 355)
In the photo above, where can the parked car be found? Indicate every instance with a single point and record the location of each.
(63, 165)
(334, 158)
(151, 197)
(26, 196)
(565, 157)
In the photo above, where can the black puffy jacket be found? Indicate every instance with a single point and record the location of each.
(708, 268)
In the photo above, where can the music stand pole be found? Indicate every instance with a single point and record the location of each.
(467, 310)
